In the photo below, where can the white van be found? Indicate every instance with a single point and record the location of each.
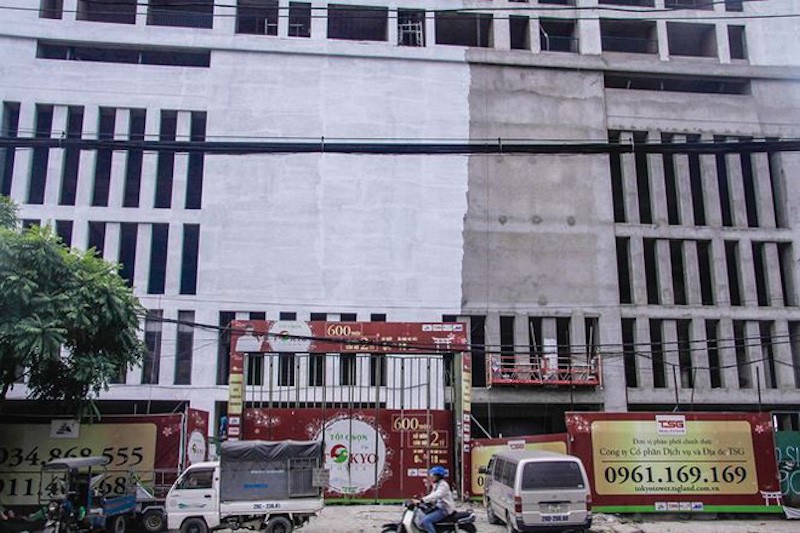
(536, 491)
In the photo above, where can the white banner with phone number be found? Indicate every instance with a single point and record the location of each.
(24, 448)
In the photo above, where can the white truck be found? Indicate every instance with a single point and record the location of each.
(270, 486)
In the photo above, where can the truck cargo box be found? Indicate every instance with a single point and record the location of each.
(262, 470)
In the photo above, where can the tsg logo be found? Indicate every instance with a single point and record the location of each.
(671, 424)
(339, 453)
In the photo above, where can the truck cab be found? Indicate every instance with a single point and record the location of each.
(274, 486)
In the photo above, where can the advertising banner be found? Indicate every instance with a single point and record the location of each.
(692, 462)
(483, 449)
(371, 454)
(787, 450)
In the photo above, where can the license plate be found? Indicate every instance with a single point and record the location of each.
(555, 518)
(553, 508)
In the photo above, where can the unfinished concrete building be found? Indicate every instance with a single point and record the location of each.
(622, 281)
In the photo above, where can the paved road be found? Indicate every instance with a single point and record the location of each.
(368, 518)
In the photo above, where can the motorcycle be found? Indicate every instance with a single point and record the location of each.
(414, 512)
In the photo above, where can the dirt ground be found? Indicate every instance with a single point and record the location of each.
(369, 518)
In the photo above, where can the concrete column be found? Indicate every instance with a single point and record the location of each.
(501, 31)
(283, 18)
(141, 269)
(169, 344)
(708, 171)
(669, 337)
(111, 243)
(391, 27)
(644, 366)
(521, 339)
(141, 12)
(589, 37)
(723, 46)
(638, 279)
(782, 351)
(181, 166)
(655, 166)
(224, 20)
(535, 39)
(691, 273)
(614, 391)
(663, 42)
(88, 160)
(722, 295)
(664, 269)
(702, 376)
(430, 28)
(23, 159)
(119, 159)
(763, 185)
(753, 349)
(150, 160)
(736, 187)
(577, 335)
(319, 21)
(70, 10)
(628, 167)
(174, 258)
(492, 342)
(747, 273)
(55, 160)
(683, 184)
(727, 355)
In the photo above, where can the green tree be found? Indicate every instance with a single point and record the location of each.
(67, 320)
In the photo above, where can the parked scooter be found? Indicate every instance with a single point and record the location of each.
(413, 513)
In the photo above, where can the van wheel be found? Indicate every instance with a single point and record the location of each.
(490, 516)
(194, 525)
(278, 524)
(116, 524)
(510, 524)
(153, 521)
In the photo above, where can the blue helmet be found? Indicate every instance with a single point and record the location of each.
(438, 471)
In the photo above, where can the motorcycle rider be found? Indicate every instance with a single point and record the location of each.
(440, 496)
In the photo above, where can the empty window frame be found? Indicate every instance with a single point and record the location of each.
(8, 128)
(254, 369)
(760, 272)
(316, 370)
(189, 258)
(707, 5)
(41, 156)
(196, 165)
(287, 363)
(358, 23)
(115, 11)
(224, 346)
(617, 186)
(657, 354)
(557, 35)
(643, 180)
(734, 5)
(64, 231)
(765, 330)
(794, 344)
(181, 13)
(724, 186)
(696, 184)
(127, 250)
(477, 340)
(632, 36)
(692, 40)
(103, 157)
(736, 42)
(520, 32)
(72, 157)
(786, 264)
(28, 223)
(348, 364)
(184, 348)
(624, 270)
(740, 343)
(134, 159)
(153, 325)
(636, 3)
(158, 259)
(651, 277)
(685, 353)
(165, 166)
(464, 29)
(678, 271)
(734, 279)
(680, 84)
(179, 57)
(778, 187)
(712, 345)
(97, 237)
(299, 19)
(507, 357)
(51, 9)
(629, 351)
(671, 184)
(257, 17)
(750, 193)
(705, 271)
(558, 2)
(410, 27)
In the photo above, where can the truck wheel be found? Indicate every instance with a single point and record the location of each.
(490, 516)
(116, 524)
(153, 521)
(194, 525)
(278, 524)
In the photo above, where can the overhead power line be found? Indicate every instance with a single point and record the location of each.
(322, 146)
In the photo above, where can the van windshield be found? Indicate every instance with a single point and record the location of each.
(552, 475)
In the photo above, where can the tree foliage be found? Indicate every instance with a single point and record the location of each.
(68, 321)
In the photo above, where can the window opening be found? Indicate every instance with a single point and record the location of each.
(678, 275)
(631, 36)
(152, 339)
(64, 231)
(72, 157)
(657, 350)
(693, 40)
(670, 184)
(629, 351)
(41, 156)
(520, 32)
(768, 355)
(357, 23)
(643, 181)
(97, 237)
(184, 348)
(759, 269)
(750, 195)
(189, 256)
(723, 182)
(135, 157)
(617, 187)
(127, 250)
(410, 27)
(732, 263)
(257, 17)
(507, 357)
(224, 346)
(165, 167)
(704, 267)
(696, 183)
(464, 29)
(624, 270)
(181, 13)
(196, 165)
(102, 166)
(477, 339)
(651, 271)
(158, 259)
(51, 9)
(742, 360)
(712, 344)
(299, 19)
(736, 42)
(557, 35)
(114, 11)
(786, 266)
(685, 354)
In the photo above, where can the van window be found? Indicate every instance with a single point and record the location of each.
(552, 475)
(497, 472)
(509, 473)
(197, 479)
